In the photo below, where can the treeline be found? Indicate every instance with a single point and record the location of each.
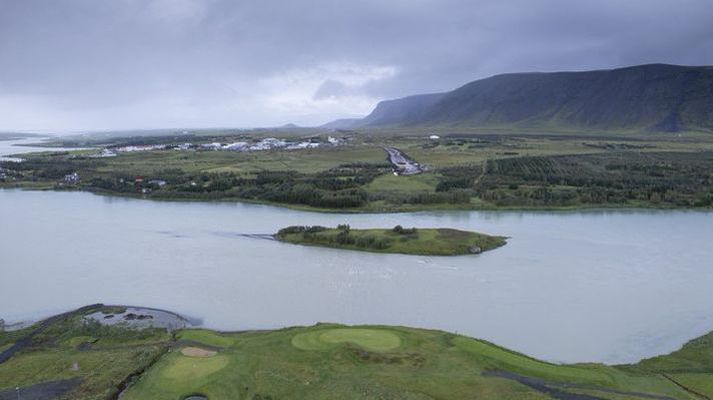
(460, 177)
(342, 236)
(339, 187)
(53, 167)
(651, 178)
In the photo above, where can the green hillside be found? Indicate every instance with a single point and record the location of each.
(67, 357)
(655, 97)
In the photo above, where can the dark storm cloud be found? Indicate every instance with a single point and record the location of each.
(91, 64)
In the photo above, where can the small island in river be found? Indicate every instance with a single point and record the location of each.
(430, 241)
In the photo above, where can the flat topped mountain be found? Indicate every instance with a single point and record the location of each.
(654, 97)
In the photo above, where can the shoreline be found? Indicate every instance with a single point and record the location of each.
(41, 322)
(295, 207)
(417, 241)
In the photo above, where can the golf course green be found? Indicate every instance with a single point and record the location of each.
(88, 360)
(368, 339)
(417, 241)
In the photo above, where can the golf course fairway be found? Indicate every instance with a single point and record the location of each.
(69, 357)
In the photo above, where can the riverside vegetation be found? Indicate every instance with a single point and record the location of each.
(468, 170)
(439, 242)
(71, 357)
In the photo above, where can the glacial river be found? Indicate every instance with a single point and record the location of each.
(607, 286)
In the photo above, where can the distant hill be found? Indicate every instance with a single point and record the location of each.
(17, 135)
(344, 123)
(655, 97)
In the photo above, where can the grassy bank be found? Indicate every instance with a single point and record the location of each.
(434, 241)
(327, 361)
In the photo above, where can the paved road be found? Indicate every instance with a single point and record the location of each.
(402, 164)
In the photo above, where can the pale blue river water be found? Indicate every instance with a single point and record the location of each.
(607, 286)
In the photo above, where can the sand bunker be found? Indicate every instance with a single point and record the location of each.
(197, 352)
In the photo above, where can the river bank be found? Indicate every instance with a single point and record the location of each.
(355, 178)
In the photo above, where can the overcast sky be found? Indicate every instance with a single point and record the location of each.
(74, 65)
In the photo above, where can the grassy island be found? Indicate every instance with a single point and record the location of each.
(73, 357)
(431, 241)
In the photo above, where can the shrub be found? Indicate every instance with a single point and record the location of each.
(343, 237)
(402, 231)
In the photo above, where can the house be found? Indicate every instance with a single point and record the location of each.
(72, 179)
(237, 146)
(157, 182)
(302, 145)
(212, 146)
(139, 179)
(104, 153)
(434, 137)
(334, 141)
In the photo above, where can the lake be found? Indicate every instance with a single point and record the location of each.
(607, 286)
(19, 146)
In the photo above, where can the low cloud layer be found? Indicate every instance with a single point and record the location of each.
(71, 65)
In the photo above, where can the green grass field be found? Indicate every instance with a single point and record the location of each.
(437, 242)
(329, 361)
(466, 169)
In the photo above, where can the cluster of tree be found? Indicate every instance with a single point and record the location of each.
(54, 167)
(301, 229)
(343, 237)
(318, 190)
(450, 197)
(404, 231)
(654, 178)
(327, 189)
(460, 177)
(365, 241)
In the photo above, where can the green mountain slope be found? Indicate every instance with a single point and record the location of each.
(655, 97)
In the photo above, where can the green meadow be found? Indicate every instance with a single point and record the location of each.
(328, 361)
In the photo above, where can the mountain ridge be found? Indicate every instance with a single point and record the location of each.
(650, 97)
